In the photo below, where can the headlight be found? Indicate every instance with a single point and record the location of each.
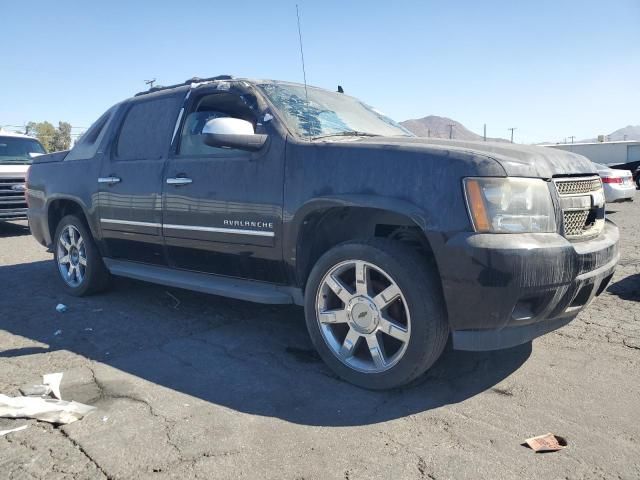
(510, 205)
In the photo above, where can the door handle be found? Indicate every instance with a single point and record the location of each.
(177, 181)
(109, 180)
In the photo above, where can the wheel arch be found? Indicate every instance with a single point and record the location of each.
(322, 223)
(60, 206)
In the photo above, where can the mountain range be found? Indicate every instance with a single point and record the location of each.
(442, 127)
(630, 132)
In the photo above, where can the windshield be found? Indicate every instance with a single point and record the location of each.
(328, 113)
(19, 150)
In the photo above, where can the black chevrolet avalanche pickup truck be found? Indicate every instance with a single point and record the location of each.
(278, 193)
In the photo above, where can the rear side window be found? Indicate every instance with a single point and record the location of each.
(87, 145)
(146, 130)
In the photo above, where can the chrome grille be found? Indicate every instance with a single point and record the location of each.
(574, 222)
(13, 204)
(577, 187)
(582, 203)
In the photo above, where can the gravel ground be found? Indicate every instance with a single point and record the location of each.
(195, 386)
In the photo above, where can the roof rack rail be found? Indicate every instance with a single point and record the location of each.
(187, 82)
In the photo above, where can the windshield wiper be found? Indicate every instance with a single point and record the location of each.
(351, 133)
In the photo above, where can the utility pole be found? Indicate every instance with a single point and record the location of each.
(512, 129)
(485, 132)
(150, 83)
(428, 133)
(451, 125)
(572, 137)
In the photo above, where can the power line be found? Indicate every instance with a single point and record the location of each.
(24, 127)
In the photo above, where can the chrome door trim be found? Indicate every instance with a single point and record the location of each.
(235, 231)
(130, 222)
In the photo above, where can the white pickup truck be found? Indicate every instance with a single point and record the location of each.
(16, 153)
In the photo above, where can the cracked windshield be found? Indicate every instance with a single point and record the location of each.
(318, 113)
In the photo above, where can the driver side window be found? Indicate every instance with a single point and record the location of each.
(218, 105)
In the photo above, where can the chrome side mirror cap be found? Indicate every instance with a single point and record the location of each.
(227, 132)
(228, 126)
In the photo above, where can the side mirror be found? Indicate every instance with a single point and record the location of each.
(230, 132)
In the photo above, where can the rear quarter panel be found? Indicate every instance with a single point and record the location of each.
(70, 180)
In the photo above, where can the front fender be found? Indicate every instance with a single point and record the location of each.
(294, 223)
(408, 209)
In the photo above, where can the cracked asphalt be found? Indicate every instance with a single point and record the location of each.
(195, 386)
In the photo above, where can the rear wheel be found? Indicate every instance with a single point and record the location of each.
(374, 311)
(79, 263)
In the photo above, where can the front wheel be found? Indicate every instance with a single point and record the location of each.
(79, 263)
(375, 313)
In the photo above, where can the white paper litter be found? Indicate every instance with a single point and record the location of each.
(52, 380)
(61, 308)
(43, 409)
(6, 432)
(57, 332)
(50, 384)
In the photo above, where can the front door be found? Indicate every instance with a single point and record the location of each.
(132, 172)
(223, 207)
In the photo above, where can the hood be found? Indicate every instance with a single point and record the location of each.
(13, 171)
(516, 160)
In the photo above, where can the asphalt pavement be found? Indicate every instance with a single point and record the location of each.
(188, 385)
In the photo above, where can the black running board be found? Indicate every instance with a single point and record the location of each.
(251, 291)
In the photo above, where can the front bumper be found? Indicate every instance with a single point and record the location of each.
(502, 290)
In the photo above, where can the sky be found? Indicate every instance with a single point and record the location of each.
(551, 69)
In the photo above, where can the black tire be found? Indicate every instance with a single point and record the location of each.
(96, 276)
(417, 279)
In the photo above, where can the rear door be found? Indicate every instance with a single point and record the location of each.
(130, 183)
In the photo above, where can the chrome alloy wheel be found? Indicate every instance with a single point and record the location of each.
(72, 256)
(363, 316)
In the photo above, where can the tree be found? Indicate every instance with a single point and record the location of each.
(43, 131)
(53, 139)
(61, 137)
